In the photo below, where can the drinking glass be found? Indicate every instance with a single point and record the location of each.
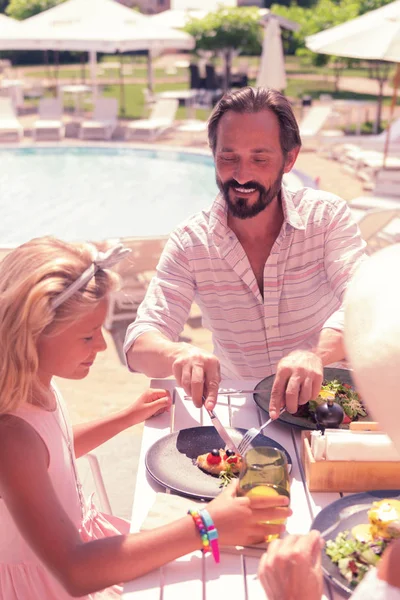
(264, 472)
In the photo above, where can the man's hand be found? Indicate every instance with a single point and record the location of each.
(298, 379)
(291, 568)
(198, 372)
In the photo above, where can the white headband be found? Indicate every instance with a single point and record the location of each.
(103, 260)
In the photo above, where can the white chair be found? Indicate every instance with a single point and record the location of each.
(312, 123)
(10, 127)
(161, 120)
(351, 148)
(379, 228)
(49, 126)
(136, 272)
(100, 487)
(104, 121)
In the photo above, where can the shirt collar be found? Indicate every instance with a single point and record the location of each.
(219, 215)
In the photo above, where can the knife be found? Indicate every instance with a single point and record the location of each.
(222, 432)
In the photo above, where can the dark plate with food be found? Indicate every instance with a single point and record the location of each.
(358, 541)
(337, 381)
(179, 461)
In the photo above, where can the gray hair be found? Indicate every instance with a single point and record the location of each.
(253, 100)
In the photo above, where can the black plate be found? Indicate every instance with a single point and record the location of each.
(329, 515)
(264, 388)
(170, 460)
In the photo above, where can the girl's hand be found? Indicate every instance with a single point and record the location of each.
(151, 403)
(248, 515)
(291, 568)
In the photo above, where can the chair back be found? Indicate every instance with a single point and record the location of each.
(394, 135)
(7, 110)
(387, 183)
(374, 221)
(195, 79)
(50, 108)
(105, 109)
(211, 78)
(314, 120)
(165, 108)
(143, 258)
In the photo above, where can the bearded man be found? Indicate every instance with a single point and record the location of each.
(268, 267)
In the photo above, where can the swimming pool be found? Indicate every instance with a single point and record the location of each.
(95, 193)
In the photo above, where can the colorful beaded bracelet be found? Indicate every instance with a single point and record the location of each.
(211, 532)
(194, 513)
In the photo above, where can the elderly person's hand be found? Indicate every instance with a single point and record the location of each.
(291, 568)
(198, 372)
(298, 379)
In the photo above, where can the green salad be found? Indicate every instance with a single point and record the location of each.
(348, 399)
(353, 557)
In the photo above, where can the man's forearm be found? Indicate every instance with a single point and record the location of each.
(330, 347)
(153, 354)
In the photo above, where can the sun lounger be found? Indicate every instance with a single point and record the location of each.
(49, 126)
(136, 272)
(161, 119)
(379, 228)
(104, 120)
(10, 127)
(312, 123)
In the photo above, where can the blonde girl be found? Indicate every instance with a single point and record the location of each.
(53, 545)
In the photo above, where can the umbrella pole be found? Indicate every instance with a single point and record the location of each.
(149, 71)
(121, 85)
(396, 83)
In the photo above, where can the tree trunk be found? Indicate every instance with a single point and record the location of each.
(228, 67)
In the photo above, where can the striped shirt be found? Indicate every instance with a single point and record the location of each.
(305, 277)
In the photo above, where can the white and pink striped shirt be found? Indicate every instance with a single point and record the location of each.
(305, 277)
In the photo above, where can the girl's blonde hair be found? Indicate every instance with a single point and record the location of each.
(30, 277)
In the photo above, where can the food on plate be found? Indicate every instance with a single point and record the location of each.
(356, 552)
(220, 463)
(343, 394)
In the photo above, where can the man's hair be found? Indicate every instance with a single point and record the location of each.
(253, 100)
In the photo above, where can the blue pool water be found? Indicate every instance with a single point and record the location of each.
(98, 193)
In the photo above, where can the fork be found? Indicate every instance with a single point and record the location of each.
(249, 436)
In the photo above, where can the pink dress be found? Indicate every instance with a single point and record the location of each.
(22, 575)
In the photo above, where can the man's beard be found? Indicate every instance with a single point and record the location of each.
(240, 207)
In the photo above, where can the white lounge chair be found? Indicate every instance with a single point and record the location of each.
(135, 271)
(311, 125)
(10, 127)
(379, 228)
(49, 126)
(350, 148)
(385, 193)
(161, 119)
(104, 121)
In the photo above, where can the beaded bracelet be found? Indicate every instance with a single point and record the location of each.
(211, 532)
(194, 513)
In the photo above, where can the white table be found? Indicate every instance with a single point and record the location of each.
(77, 91)
(195, 576)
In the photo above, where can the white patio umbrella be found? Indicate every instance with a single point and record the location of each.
(206, 5)
(8, 25)
(93, 26)
(272, 72)
(176, 19)
(372, 36)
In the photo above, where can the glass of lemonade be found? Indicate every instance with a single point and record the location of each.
(264, 472)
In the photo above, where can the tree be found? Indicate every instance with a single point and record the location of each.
(3, 6)
(22, 9)
(228, 31)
